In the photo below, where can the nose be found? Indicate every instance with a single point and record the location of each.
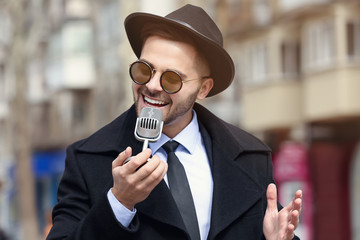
(154, 84)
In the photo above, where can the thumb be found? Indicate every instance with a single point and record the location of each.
(271, 195)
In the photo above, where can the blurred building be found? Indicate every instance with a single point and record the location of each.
(298, 65)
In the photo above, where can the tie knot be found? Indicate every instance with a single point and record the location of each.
(170, 146)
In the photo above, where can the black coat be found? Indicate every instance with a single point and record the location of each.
(241, 169)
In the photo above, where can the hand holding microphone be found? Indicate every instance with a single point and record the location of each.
(134, 181)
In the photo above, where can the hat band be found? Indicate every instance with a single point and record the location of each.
(185, 24)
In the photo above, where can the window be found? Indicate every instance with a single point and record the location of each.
(262, 11)
(108, 29)
(77, 54)
(254, 65)
(77, 38)
(5, 27)
(109, 35)
(259, 63)
(319, 44)
(290, 59)
(353, 40)
(81, 100)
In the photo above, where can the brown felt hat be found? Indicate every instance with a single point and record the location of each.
(200, 27)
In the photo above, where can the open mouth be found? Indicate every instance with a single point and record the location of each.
(153, 102)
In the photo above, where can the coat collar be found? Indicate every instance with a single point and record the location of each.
(115, 136)
(119, 134)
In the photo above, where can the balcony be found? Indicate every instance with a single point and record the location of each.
(273, 106)
(288, 5)
(332, 94)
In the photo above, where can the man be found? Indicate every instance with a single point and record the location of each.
(229, 172)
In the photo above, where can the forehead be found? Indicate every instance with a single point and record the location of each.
(163, 51)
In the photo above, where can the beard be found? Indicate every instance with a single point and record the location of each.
(180, 109)
(176, 110)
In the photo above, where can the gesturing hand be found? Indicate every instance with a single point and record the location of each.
(133, 182)
(281, 225)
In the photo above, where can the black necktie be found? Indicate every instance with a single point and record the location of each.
(180, 190)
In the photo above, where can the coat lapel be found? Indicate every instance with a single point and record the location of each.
(160, 206)
(235, 190)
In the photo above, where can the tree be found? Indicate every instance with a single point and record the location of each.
(25, 180)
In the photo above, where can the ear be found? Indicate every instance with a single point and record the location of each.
(205, 88)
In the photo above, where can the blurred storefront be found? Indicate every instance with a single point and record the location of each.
(292, 172)
(48, 167)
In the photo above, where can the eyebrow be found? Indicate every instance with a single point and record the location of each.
(144, 60)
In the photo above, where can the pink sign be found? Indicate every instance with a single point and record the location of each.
(291, 163)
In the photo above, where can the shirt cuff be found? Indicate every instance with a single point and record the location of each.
(122, 214)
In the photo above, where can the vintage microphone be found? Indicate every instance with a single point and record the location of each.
(148, 127)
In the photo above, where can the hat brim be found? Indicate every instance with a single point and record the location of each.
(220, 63)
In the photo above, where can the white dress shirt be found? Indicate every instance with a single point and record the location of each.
(192, 154)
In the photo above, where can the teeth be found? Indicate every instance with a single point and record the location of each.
(152, 101)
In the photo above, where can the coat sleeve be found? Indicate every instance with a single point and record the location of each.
(75, 217)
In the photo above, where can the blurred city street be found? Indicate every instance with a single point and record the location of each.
(64, 74)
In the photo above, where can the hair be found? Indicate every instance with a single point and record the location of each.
(165, 31)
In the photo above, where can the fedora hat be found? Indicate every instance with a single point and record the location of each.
(198, 25)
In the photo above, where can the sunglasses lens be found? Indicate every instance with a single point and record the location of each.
(140, 72)
(171, 82)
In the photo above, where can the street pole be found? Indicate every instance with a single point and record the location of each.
(22, 144)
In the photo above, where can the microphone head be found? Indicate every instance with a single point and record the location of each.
(149, 124)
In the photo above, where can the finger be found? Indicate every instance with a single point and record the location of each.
(290, 233)
(295, 218)
(147, 169)
(294, 214)
(271, 195)
(158, 173)
(296, 203)
(154, 164)
(122, 157)
(138, 160)
(298, 194)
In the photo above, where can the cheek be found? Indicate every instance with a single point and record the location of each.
(179, 101)
(135, 87)
(136, 94)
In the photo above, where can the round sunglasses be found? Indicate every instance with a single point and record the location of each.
(171, 81)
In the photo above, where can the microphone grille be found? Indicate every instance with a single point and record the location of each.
(149, 123)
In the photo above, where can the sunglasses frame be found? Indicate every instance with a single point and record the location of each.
(153, 70)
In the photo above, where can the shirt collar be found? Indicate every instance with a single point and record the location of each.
(188, 137)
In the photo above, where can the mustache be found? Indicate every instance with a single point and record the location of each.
(158, 95)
